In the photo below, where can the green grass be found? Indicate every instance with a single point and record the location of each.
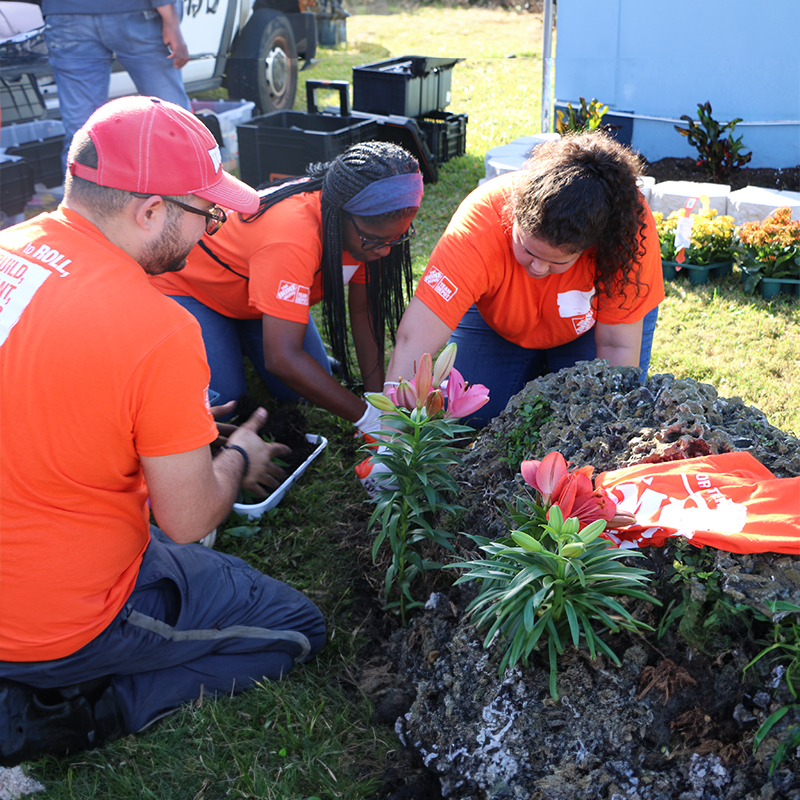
(310, 736)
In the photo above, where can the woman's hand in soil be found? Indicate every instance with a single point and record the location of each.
(263, 472)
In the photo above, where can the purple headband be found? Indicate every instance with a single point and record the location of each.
(387, 194)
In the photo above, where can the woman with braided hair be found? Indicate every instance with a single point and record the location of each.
(538, 269)
(251, 284)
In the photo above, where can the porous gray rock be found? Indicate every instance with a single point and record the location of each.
(670, 723)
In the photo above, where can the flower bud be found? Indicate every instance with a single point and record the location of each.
(573, 550)
(434, 402)
(444, 364)
(380, 401)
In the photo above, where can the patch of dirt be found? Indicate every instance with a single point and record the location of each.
(686, 169)
(285, 424)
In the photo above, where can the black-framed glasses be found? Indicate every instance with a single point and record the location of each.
(371, 244)
(214, 218)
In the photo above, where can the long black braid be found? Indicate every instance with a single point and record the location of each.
(389, 279)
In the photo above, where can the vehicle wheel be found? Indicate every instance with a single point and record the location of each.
(263, 65)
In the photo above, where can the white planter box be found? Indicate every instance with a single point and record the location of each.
(257, 510)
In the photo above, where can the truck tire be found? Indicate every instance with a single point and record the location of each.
(263, 64)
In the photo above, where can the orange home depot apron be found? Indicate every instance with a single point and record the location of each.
(729, 501)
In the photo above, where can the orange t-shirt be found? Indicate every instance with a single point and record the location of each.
(730, 501)
(474, 263)
(273, 264)
(96, 369)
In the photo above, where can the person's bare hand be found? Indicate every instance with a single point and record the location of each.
(173, 38)
(263, 472)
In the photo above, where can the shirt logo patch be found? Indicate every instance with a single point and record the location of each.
(440, 284)
(577, 306)
(293, 293)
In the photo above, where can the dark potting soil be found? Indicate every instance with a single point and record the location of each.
(286, 424)
(686, 169)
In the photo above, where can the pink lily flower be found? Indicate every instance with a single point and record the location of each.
(463, 401)
(545, 475)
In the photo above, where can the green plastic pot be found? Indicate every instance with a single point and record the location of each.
(697, 273)
(774, 286)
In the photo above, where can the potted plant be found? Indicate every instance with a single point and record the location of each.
(710, 252)
(768, 253)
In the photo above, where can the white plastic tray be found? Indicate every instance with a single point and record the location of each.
(257, 510)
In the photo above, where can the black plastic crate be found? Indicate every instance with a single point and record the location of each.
(445, 134)
(16, 186)
(407, 86)
(20, 99)
(284, 143)
(45, 159)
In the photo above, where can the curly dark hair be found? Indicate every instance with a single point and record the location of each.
(389, 279)
(581, 192)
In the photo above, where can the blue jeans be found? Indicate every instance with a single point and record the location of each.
(82, 48)
(227, 340)
(504, 367)
(197, 620)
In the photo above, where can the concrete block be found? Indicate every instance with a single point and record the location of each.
(670, 196)
(754, 203)
(646, 184)
(510, 157)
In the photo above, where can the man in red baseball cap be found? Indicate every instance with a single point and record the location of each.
(108, 623)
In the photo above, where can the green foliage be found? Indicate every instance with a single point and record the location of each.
(519, 443)
(552, 583)
(710, 621)
(587, 118)
(785, 649)
(418, 458)
(718, 156)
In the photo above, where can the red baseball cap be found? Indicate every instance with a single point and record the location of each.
(151, 146)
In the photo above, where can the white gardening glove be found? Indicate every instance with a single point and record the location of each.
(370, 424)
(375, 477)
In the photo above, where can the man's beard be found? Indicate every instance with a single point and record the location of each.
(168, 254)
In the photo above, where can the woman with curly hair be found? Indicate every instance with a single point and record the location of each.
(539, 269)
(252, 283)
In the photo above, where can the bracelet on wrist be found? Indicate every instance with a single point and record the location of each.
(241, 450)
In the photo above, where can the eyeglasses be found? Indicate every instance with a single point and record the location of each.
(371, 244)
(214, 218)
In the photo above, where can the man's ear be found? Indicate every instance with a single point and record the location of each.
(149, 212)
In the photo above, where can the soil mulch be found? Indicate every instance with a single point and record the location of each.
(686, 169)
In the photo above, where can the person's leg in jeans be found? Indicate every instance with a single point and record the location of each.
(197, 621)
(252, 341)
(136, 38)
(223, 349)
(483, 356)
(81, 66)
(648, 329)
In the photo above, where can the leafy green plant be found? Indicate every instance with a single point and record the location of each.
(769, 248)
(785, 648)
(587, 118)
(711, 241)
(519, 443)
(718, 156)
(555, 580)
(418, 442)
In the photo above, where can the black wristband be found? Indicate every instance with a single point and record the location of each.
(244, 456)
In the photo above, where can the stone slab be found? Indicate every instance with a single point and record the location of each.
(754, 203)
(670, 196)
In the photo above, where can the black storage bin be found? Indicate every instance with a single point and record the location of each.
(45, 159)
(445, 134)
(286, 142)
(16, 186)
(407, 86)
